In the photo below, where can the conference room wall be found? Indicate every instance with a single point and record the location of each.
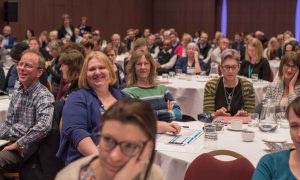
(110, 16)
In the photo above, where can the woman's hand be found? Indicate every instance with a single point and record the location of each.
(196, 56)
(164, 127)
(241, 113)
(136, 164)
(221, 112)
(293, 82)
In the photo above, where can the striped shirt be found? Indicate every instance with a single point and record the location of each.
(158, 97)
(210, 95)
(29, 117)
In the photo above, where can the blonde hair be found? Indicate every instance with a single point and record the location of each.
(256, 43)
(83, 82)
(131, 76)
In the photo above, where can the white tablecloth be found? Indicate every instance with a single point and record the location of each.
(174, 164)
(274, 65)
(190, 94)
(4, 103)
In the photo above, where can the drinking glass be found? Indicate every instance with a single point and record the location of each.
(210, 136)
(254, 120)
(267, 119)
(254, 77)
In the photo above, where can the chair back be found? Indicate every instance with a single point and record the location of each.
(206, 166)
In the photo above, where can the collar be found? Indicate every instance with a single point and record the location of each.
(30, 90)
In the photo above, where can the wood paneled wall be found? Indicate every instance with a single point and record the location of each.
(110, 16)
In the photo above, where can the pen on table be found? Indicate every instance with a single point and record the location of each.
(185, 126)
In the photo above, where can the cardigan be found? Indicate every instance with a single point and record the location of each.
(210, 95)
(71, 172)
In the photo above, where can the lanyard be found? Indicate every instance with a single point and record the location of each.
(250, 70)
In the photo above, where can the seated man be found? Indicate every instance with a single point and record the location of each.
(29, 115)
(166, 59)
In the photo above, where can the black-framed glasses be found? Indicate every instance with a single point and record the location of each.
(130, 149)
(227, 68)
(293, 67)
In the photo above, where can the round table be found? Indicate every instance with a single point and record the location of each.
(189, 94)
(4, 103)
(175, 159)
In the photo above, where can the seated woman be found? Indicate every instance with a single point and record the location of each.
(120, 74)
(71, 62)
(255, 63)
(284, 164)
(229, 95)
(285, 90)
(126, 147)
(191, 59)
(142, 84)
(84, 108)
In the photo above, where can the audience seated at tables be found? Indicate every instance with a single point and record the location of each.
(29, 115)
(229, 95)
(216, 54)
(127, 136)
(71, 61)
(9, 39)
(142, 84)
(284, 164)
(270, 53)
(53, 66)
(84, 108)
(204, 47)
(255, 63)
(66, 30)
(285, 90)
(111, 53)
(118, 45)
(191, 60)
(152, 47)
(166, 59)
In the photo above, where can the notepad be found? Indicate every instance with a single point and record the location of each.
(186, 136)
(3, 142)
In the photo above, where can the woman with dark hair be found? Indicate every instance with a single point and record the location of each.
(229, 95)
(29, 33)
(285, 90)
(126, 146)
(120, 74)
(284, 164)
(71, 62)
(67, 30)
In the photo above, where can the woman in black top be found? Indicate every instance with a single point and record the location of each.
(255, 63)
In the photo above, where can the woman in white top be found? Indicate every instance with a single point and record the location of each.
(285, 90)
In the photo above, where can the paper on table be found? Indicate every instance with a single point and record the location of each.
(162, 141)
(3, 142)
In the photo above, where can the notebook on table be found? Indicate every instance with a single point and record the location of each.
(228, 119)
(3, 142)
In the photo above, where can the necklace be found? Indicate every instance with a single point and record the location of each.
(228, 96)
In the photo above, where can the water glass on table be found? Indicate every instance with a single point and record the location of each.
(210, 136)
(254, 77)
(253, 119)
(281, 117)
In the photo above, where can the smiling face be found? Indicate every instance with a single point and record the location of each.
(111, 162)
(294, 122)
(289, 69)
(28, 70)
(142, 68)
(97, 74)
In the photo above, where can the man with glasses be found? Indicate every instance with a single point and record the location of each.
(229, 95)
(29, 115)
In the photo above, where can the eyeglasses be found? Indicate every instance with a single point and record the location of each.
(293, 67)
(26, 65)
(227, 68)
(130, 149)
